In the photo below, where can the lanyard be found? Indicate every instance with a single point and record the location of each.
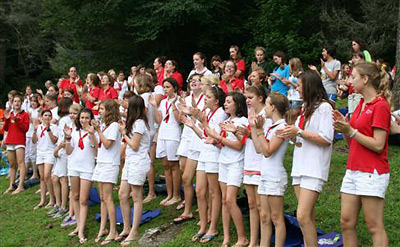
(100, 138)
(302, 118)
(167, 112)
(270, 128)
(43, 130)
(208, 118)
(80, 143)
(198, 101)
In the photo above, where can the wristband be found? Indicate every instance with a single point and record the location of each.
(48, 130)
(354, 133)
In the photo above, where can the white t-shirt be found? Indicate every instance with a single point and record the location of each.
(188, 132)
(26, 105)
(143, 151)
(196, 142)
(66, 120)
(149, 113)
(293, 94)
(158, 90)
(205, 71)
(209, 152)
(229, 155)
(272, 167)
(81, 160)
(44, 144)
(329, 84)
(252, 160)
(113, 154)
(169, 130)
(311, 159)
(54, 113)
(33, 114)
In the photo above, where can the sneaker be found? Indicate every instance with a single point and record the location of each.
(72, 221)
(64, 223)
(60, 214)
(53, 211)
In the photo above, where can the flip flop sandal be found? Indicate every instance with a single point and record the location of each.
(182, 219)
(73, 234)
(121, 237)
(82, 240)
(38, 207)
(98, 238)
(127, 242)
(207, 238)
(181, 206)
(107, 241)
(197, 237)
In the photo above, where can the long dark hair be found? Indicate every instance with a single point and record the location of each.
(313, 92)
(136, 110)
(78, 123)
(240, 102)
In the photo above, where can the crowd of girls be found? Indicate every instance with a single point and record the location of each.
(234, 132)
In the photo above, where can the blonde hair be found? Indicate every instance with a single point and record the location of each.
(210, 80)
(378, 79)
(296, 66)
(75, 107)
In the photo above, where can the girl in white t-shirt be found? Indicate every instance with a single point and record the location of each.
(187, 156)
(231, 164)
(169, 135)
(312, 155)
(273, 181)
(144, 87)
(107, 167)
(45, 135)
(30, 149)
(136, 132)
(59, 173)
(207, 167)
(255, 98)
(81, 145)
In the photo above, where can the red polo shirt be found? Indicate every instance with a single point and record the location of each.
(376, 114)
(178, 77)
(240, 65)
(94, 92)
(65, 83)
(160, 76)
(235, 83)
(17, 129)
(110, 93)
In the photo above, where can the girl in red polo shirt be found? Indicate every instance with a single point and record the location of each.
(236, 55)
(106, 91)
(16, 124)
(170, 70)
(229, 82)
(90, 92)
(368, 171)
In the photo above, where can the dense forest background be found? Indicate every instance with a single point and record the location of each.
(41, 39)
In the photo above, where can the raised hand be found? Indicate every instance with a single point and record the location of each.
(312, 67)
(322, 63)
(202, 117)
(95, 124)
(244, 131)
(152, 100)
(6, 114)
(252, 117)
(259, 121)
(35, 123)
(210, 140)
(175, 99)
(121, 127)
(228, 126)
(188, 122)
(90, 129)
(67, 131)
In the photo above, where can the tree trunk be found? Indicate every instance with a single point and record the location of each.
(396, 88)
(2, 52)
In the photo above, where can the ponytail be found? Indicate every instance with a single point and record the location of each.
(384, 88)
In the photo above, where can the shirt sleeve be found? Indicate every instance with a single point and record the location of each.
(140, 127)
(112, 131)
(96, 92)
(54, 130)
(337, 66)
(240, 65)
(23, 122)
(381, 117)
(325, 124)
(114, 94)
(159, 90)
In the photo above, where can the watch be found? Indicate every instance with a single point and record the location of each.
(299, 133)
(48, 130)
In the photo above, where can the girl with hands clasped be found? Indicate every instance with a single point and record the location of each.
(169, 135)
(273, 182)
(107, 168)
(367, 171)
(81, 145)
(136, 133)
(255, 98)
(16, 124)
(313, 132)
(45, 135)
(231, 163)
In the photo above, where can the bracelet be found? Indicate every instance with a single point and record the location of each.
(354, 133)
(67, 138)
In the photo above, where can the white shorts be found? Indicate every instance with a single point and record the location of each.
(183, 149)
(135, 172)
(81, 175)
(60, 167)
(194, 155)
(208, 167)
(106, 173)
(167, 148)
(273, 188)
(30, 151)
(365, 184)
(45, 158)
(310, 183)
(251, 179)
(231, 174)
(14, 147)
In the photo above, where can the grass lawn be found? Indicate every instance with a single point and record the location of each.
(21, 226)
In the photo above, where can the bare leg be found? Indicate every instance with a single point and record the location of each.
(176, 182)
(20, 154)
(226, 216)
(103, 214)
(13, 169)
(266, 223)
(49, 184)
(42, 186)
(75, 190)
(215, 197)
(151, 174)
(305, 214)
(190, 171)
(57, 189)
(351, 205)
(277, 217)
(201, 191)
(168, 180)
(86, 185)
(236, 214)
(137, 211)
(373, 215)
(64, 192)
(124, 194)
(109, 203)
(254, 214)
